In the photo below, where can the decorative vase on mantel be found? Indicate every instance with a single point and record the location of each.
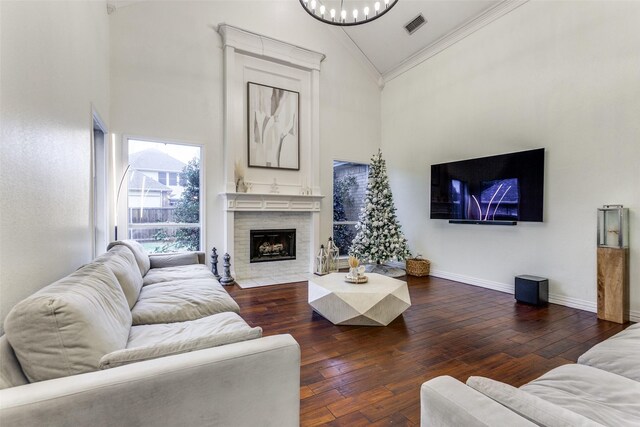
(241, 187)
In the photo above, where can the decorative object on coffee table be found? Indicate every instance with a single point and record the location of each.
(356, 271)
(379, 238)
(358, 280)
(214, 263)
(613, 263)
(226, 271)
(322, 262)
(377, 303)
(418, 266)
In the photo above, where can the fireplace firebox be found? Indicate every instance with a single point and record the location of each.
(272, 245)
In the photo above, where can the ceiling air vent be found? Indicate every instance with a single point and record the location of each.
(415, 23)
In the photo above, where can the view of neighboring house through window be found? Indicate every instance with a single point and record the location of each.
(164, 197)
(349, 187)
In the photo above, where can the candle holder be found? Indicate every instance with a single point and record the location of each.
(333, 254)
(322, 262)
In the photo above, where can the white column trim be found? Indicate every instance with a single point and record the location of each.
(247, 42)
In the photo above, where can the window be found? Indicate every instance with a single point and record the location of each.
(162, 178)
(170, 178)
(99, 176)
(349, 187)
(160, 217)
(173, 178)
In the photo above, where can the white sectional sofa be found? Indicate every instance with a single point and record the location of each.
(138, 340)
(603, 388)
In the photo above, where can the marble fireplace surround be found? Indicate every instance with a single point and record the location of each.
(247, 211)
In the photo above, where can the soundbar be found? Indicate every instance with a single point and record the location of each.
(477, 221)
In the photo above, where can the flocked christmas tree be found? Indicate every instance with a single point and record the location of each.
(379, 238)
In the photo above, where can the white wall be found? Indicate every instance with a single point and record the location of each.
(560, 75)
(54, 66)
(167, 82)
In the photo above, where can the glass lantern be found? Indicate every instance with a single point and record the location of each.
(613, 226)
(322, 262)
(333, 254)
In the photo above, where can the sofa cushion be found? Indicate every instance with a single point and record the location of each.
(153, 341)
(183, 272)
(11, 374)
(619, 354)
(66, 327)
(122, 263)
(173, 260)
(181, 300)
(604, 397)
(528, 405)
(142, 257)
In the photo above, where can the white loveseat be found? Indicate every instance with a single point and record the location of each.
(138, 340)
(603, 388)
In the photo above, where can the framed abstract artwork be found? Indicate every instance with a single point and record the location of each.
(273, 127)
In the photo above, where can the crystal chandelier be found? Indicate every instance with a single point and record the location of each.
(354, 12)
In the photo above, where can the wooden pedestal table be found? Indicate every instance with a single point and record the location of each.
(613, 284)
(375, 303)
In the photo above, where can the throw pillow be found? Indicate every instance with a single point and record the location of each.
(142, 257)
(66, 327)
(173, 260)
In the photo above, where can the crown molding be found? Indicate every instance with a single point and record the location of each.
(266, 47)
(453, 37)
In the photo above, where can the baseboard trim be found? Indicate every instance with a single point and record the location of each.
(488, 284)
(573, 303)
(634, 315)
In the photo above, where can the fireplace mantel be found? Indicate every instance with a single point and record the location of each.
(272, 202)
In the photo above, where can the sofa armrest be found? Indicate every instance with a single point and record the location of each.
(446, 402)
(251, 383)
(174, 259)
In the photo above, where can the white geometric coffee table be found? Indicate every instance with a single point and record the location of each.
(375, 303)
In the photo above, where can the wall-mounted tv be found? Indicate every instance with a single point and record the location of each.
(501, 189)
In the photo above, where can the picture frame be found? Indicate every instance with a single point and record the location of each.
(273, 127)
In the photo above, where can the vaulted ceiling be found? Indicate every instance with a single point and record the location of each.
(391, 50)
(387, 44)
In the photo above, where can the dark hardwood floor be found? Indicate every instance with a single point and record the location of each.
(355, 375)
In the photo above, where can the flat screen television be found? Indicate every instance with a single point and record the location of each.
(501, 189)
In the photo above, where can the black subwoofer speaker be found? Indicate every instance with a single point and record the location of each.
(532, 289)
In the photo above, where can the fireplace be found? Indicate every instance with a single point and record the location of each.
(272, 245)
